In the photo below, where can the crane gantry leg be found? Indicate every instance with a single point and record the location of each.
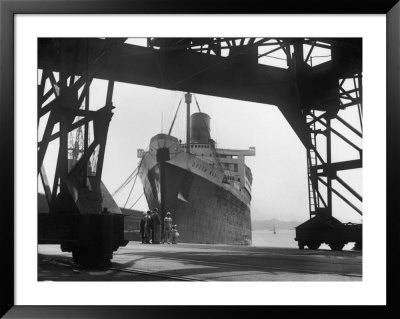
(82, 217)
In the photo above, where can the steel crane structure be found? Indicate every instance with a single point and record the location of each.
(310, 96)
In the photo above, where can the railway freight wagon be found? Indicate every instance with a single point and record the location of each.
(131, 219)
(319, 230)
(132, 224)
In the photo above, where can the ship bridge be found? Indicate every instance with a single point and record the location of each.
(233, 152)
(233, 162)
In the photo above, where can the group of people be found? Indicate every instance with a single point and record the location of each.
(150, 228)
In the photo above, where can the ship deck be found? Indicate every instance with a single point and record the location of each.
(199, 262)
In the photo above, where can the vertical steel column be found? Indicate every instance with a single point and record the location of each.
(104, 133)
(328, 163)
(63, 152)
(188, 100)
(86, 130)
(110, 90)
(62, 106)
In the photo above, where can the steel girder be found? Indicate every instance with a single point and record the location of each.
(183, 67)
(322, 171)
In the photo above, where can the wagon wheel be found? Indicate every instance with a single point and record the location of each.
(336, 245)
(87, 257)
(313, 245)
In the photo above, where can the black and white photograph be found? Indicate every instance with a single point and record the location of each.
(200, 159)
(165, 160)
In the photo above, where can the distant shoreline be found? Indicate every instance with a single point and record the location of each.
(270, 224)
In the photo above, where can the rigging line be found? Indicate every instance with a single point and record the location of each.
(117, 192)
(195, 99)
(176, 113)
(132, 199)
(124, 183)
(134, 182)
(136, 201)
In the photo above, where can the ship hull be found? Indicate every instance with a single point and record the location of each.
(203, 211)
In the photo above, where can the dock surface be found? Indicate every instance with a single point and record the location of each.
(197, 262)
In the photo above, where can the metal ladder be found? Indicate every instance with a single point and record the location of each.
(312, 162)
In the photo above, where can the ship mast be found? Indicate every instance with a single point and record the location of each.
(188, 100)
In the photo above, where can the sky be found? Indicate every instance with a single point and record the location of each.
(279, 167)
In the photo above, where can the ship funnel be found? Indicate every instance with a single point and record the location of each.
(200, 128)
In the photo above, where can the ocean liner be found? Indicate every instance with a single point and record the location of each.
(206, 189)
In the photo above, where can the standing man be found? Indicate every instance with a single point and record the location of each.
(147, 228)
(167, 228)
(142, 227)
(156, 222)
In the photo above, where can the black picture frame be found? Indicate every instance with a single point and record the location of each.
(8, 10)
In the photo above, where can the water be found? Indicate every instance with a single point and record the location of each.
(284, 238)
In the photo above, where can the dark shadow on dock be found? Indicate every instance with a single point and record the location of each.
(211, 263)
